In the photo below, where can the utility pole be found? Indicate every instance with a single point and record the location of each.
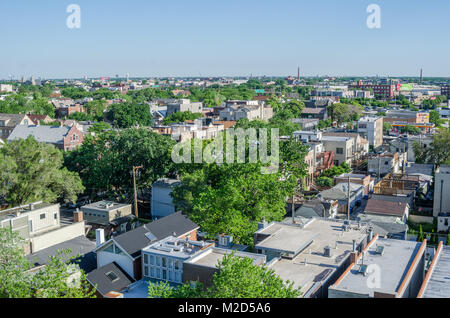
(135, 192)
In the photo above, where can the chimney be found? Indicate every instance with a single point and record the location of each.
(99, 236)
(31, 206)
(354, 246)
(77, 216)
(353, 256)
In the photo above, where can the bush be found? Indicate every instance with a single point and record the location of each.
(324, 181)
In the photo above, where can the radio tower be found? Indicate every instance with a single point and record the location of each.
(298, 74)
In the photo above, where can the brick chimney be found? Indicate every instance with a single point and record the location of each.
(77, 216)
(353, 256)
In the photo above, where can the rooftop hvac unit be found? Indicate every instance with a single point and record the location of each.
(225, 240)
(327, 251)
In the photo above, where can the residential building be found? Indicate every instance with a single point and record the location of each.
(385, 226)
(436, 284)
(125, 249)
(37, 119)
(360, 145)
(371, 128)
(388, 208)
(307, 136)
(307, 124)
(342, 147)
(10, 121)
(397, 269)
(445, 90)
(341, 193)
(105, 212)
(441, 201)
(316, 208)
(202, 266)
(163, 260)
(383, 90)
(311, 255)
(6, 88)
(62, 137)
(365, 181)
(320, 113)
(183, 105)
(109, 278)
(40, 226)
(161, 204)
(250, 111)
(66, 107)
(406, 144)
(386, 163)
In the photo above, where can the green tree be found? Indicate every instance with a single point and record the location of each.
(324, 181)
(105, 162)
(126, 115)
(237, 277)
(180, 117)
(99, 127)
(32, 171)
(60, 278)
(386, 127)
(420, 237)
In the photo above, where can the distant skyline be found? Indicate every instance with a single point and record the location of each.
(199, 38)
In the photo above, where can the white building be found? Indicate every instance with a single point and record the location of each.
(371, 128)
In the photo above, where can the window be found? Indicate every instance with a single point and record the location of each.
(55, 216)
(152, 260)
(145, 270)
(170, 263)
(145, 259)
(177, 264)
(164, 262)
(164, 274)
(109, 249)
(158, 261)
(152, 272)
(339, 151)
(42, 216)
(112, 276)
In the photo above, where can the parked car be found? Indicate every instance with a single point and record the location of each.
(81, 202)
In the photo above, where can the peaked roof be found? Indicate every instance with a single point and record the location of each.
(133, 241)
(48, 134)
(14, 119)
(109, 278)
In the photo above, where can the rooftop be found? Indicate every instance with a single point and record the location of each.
(105, 205)
(318, 267)
(14, 212)
(176, 247)
(212, 256)
(49, 134)
(438, 284)
(385, 207)
(394, 262)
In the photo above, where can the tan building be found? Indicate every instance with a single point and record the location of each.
(104, 212)
(342, 147)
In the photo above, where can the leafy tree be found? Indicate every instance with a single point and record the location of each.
(420, 237)
(105, 162)
(236, 278)
(435, 118)
(30, 171)
(180, 117)
(438, 152)
(448, 239)
(387, 127)
(324, 181)
(58, 279)
(126, 115)
(99, 127)
(78, 116)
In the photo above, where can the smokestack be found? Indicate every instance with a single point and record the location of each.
(99, 236)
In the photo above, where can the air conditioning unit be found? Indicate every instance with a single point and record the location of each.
(225, 240)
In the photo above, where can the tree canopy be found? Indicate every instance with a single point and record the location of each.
(32, 171)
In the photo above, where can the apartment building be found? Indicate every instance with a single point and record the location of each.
(396, 269)
(183, 105)
(441, 201)
(385, 163)
(342, 147)
(312, 254)
(383, 90)
(104, 212)
(371, 128)
(249, 110)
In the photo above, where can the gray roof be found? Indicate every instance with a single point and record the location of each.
(439, 284)
(135, 240)
(78, 246)
(47, 134)
(14, 119)
(393, 198)
(339, 191)
(105, 284)
(313, 208)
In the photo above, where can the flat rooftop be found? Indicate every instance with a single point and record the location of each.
(318, 267)
(439, 284)
(13, 212)
(285, 238)
(212, 256)
(105, 206)
(394, 264)
(176, 247)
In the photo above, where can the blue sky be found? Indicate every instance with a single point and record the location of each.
(230, 38)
